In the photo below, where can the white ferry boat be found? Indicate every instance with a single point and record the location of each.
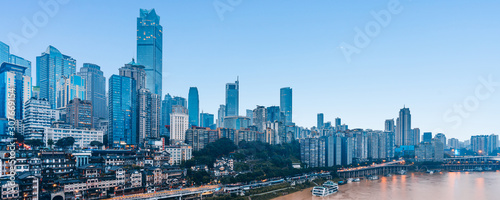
(326, 189)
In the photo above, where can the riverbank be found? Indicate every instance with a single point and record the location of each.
(417, 185)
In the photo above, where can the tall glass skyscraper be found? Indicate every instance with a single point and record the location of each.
(4, 52)
(149, 48)
(206, 120)
(232, 98)
(51, 66)
(70, 88)
(166, 109)
(286, 103)
(320, 121)
(15, 90)
(193, 106)
(95, 90)
(403, 127)
(122, 127)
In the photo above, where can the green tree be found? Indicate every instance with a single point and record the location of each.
(50, 142)
(65, 142)
(96, 144)
(34, 143)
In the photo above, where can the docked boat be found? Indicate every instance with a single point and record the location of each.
(350, 180)
(374, 177)
(401, 172)
(326, 189)
(388, 175)
(430, 171)
(356, 180)
(342, 182)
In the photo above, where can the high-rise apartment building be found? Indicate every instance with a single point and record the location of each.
(179, 123)
(403, 127)
(69, 88)
(320, 121)
(37, 116)
(79, 113)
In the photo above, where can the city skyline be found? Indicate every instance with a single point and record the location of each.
(360, 105)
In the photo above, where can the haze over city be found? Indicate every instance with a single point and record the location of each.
(271, 45)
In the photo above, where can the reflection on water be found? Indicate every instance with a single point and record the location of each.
(447, 185)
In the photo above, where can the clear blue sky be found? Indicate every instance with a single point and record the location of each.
(428, 58)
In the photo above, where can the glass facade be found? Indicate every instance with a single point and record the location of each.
(286, 103)
(149, 48)
(206, 120)
(69, 89)
(21, 61)
(122, 130)
(95, 83)
(232, 99)
(15, 89)
(51, 65)
(4, 52)
(193, 106)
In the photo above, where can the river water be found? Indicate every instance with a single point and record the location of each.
(442, 186)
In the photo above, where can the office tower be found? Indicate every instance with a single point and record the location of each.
(389, 125)
(286, 103)
(37, 116)
(4, 52)
(221, 113)
(179, 101)
(149, 115)
(69, 88)
(95, 83)
(35, 92)
(15, 90)
(193, 106)
(232, 98)
(403, 127)
(166, 109)
(21, 61)
(320, 121)
(441, 137)
(150, 47)
(179, 123)
(338, 122)
(79, 113)
(249, 115)
(51, 66)
(122, 127)
(259, 118)
(206, 120)
(274, 114)
(454, 143)
(415, 136)
(427, 137)
(492, 143)
(136, 72)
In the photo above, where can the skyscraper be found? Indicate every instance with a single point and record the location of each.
(232, 99)
(193, 106)
(206, 120)
(260, 118)
(389, 125)
(95, 83)
(166, 109)
(403, 128)
(250, 116)
(442, 138)
(4, 52)
(150, 47)
(21, 61)
(69, 88)
(79, 113)
(179, 123)
(221, 113)
(338, 122)
(273, 114)
(320, 120)
(122, 128)
(51, 66)
(286, 103)
(37, 117)
(415, 136)
(15, 90)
